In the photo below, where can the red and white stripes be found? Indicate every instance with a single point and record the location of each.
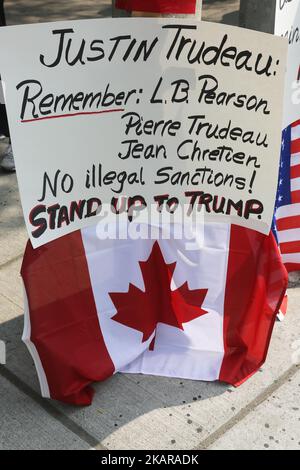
(288, 217)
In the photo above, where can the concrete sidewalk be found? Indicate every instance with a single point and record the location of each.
(133, 411)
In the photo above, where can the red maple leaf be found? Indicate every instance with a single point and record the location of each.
(142, 310)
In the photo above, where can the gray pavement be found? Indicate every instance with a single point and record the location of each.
(133, 411)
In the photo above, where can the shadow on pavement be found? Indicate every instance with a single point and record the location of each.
(119, 400)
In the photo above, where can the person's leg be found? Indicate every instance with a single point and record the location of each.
(7, 162)
(2, 14)
(7, 158)
(3, 118)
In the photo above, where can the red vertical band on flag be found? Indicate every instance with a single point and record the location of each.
(158, 6)
(64, 322)
(255, 287)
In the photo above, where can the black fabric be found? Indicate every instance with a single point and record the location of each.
(3, 117)
(3, 121)
(2, 14)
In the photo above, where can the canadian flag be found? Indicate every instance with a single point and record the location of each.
(95, 307)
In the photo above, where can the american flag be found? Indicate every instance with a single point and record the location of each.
(287, 211)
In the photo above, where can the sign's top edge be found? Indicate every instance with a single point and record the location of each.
(206, 24)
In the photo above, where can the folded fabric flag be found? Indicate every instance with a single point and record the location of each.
(199, 309)
(287, 211)
(158, 6)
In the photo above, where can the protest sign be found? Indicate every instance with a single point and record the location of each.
(287, 24)
(148, 112)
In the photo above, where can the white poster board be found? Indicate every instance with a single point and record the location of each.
(155, 110)
(287, 24)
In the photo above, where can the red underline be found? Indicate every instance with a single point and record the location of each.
(74, 114)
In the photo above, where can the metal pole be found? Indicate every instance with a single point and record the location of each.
(197, 15)
(258, 15)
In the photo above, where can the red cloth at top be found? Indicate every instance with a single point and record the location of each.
(158, 6)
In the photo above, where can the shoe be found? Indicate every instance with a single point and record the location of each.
(7, 162)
